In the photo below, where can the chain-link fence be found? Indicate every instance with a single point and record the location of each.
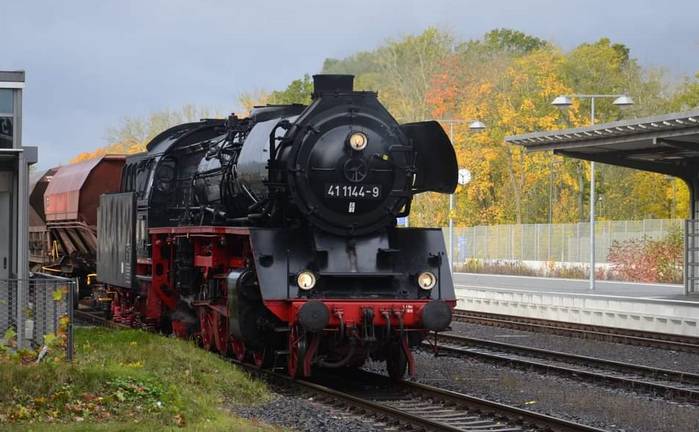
(568, 243)
(32, 309)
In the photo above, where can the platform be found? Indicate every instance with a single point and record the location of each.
(651, 307)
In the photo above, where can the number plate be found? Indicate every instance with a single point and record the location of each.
(350, 191)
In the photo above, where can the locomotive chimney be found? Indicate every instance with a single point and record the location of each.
(332, 84)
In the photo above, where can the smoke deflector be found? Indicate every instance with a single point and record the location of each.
(435, 164)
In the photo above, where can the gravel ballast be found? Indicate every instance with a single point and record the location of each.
(613, 410)
(654, 357)
(302, 413)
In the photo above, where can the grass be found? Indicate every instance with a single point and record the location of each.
(127, 380)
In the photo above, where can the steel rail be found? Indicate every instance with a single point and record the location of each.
(515, 416)
(671, 384)
(407, 404)
(588, 331)
(418, 406)
(97, 319)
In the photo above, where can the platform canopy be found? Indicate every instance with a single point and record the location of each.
(667, 144)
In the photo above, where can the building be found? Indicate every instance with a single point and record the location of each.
(14, 174)
(14, 180)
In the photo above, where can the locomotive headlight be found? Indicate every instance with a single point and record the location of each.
(306, 280)
(426, 280)
(358, 141)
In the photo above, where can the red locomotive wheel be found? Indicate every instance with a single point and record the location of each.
(258, 358)
(206, 329)
(238, 349)
(297, 349)
(220, 330)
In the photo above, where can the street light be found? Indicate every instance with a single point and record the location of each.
(464, 177)
(623, 101)
(564, 101)
(475, 126)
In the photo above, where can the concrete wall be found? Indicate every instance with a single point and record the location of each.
(664, 316)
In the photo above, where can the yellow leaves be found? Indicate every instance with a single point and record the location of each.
(85, 156)
(133, 365)
(59, 294)
(511, 95)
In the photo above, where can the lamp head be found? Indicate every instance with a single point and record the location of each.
(562, 102)
(623, 101)
(476, 126)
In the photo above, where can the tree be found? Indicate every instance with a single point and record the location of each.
(510, 89)
(298, 92)
(687, 97)
(133, 133)
(510, 41)
(506, 79)
(249, 100)
(401, 71)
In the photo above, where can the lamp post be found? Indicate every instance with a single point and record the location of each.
(564, 101)
(464, 177)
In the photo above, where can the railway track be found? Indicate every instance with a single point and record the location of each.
(587, 331)
(669, 384)
(89, 317)
(397, 406)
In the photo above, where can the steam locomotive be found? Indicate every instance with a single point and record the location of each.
(273, 238)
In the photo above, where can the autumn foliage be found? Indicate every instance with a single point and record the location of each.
(506, 79)
(132, 135)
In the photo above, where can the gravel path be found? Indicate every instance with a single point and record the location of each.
(301, 413)
(654, 357)
(611, 410)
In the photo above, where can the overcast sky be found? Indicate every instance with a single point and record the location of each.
(91, 63)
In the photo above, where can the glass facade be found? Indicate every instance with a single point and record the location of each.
(6, 99)
(6, 132)
(6, 117)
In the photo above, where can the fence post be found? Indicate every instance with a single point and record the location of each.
(564, 244)
(474, 237)
(497, 241)
(644, 228)
(687, 243)
(485, 243)
(577, 241)
(538, 234)
(20, 298)
(548, 255)
(72, 291)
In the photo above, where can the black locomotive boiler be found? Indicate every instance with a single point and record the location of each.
(273, 237)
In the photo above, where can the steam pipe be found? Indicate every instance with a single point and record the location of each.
(343, 361)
